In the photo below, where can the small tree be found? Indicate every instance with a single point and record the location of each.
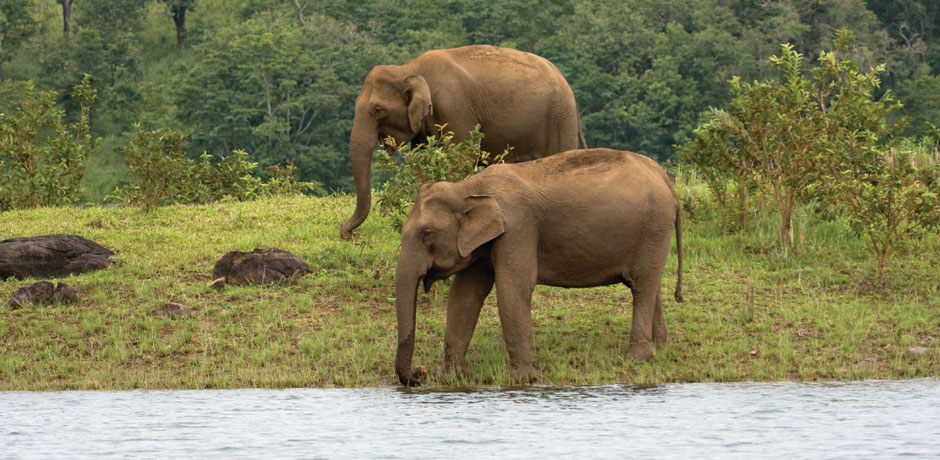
(775, 135)
(887, 194)
(42, 159)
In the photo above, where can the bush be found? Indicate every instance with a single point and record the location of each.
(887, 195)
(774, 136)
(42, 159)
(827, 140)
(441, 159)
(164, 175)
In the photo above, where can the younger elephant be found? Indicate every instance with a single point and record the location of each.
(580, 218)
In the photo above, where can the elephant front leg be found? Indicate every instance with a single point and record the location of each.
(467, 294)
(514, 297)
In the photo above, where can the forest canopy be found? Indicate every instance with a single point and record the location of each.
(278, 79)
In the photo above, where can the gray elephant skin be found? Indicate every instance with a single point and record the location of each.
(581, 218)
(520, 100)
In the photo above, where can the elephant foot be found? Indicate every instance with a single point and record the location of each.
(525, 374)
(640, 351)
(417, 377)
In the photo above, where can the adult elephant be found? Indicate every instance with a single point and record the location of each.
(520, 100)
(577, 219)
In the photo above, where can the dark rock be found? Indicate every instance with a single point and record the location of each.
(43, 293)
(259, 266)
(39, 293)
(64, 294)
(51, 256)
(173, 310)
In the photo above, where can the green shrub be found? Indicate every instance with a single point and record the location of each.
(775, 135)
(164, 175)
(887, 195)
(825, 140)
(441, 159)
(42, 158)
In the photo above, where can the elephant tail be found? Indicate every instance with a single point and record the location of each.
(678, 293)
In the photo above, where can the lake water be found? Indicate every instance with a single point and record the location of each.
(872, 419)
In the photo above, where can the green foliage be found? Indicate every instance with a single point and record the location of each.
(16, 26)
(888, 196)
(164, 175)
(441, 159)
(774, 137)
(827, 139)
(275, 90)
(42, 158)
(278, 78)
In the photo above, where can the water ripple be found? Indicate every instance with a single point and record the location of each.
(871, 419)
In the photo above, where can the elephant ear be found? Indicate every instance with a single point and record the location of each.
(419, 103)
(482, 221)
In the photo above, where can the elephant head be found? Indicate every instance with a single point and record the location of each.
(440, 237)
(393, 103)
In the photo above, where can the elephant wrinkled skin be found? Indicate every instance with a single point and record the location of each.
(520, 100)
(576, 219)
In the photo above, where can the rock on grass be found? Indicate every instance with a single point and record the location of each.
(261, 266)
(51, 256)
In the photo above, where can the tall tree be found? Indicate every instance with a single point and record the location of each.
(178, 9)
(66, 17)
(275, 90)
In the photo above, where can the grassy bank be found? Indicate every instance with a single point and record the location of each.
(751, 312)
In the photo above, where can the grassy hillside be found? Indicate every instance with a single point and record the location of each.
(751, 312)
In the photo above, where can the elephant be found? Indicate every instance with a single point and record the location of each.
(580, 218)
(520, 100)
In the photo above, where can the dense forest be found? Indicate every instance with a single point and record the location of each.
(278, 78)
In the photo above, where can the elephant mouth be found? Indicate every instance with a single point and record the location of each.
(434, 275)
(428, 280)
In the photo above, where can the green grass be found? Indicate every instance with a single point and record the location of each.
(752, 311)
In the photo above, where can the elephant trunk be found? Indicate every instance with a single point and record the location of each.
(362, 142)
(406, 292)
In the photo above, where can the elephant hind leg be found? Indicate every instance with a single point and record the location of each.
(645, 319)
(660, 334)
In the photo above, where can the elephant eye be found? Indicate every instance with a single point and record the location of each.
(427, 236)
(378, 111)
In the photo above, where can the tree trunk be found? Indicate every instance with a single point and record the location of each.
(66, 17)
(882, 259)
(179, 18)
(742, 204)
(786, 224)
